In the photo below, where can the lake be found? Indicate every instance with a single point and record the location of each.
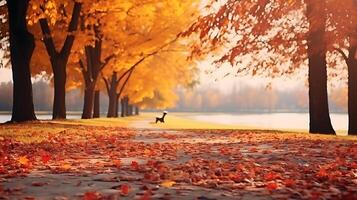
(271, 120)
(265, 120)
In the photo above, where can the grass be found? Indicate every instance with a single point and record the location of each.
(38, 131)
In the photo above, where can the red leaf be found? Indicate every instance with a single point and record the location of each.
(271, 176)
(322, 173)
(124, 189)
(91, 196)
(45, 158)
(289, 182)
(146, 196)
(134, 165)
(271, 186)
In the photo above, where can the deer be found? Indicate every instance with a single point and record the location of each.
(161, 119)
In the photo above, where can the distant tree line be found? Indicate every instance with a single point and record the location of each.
(246, 98)
(43, 97)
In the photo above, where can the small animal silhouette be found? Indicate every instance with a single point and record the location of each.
(161, 119)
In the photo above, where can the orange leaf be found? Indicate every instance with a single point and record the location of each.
(23, 160)
(168, 184)
(117, 163)
(66, 166)
(271, 186)
(124, 189)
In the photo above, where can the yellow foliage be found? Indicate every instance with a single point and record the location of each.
(129, 30)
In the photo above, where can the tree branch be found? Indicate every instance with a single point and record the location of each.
(85, 74)
(73, 25)
(125, 82)
(342, 53)
(47, 38)
(106, 83)
(106, 61)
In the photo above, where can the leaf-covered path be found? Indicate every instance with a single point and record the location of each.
(56, 161)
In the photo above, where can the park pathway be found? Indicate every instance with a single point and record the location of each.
(145, 162)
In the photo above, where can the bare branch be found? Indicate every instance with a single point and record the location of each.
(106, 61)
(342, 53)
(47, 38)
(73, 25)
(106, 83)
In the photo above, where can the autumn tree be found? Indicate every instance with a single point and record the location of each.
(277, 38)
(54, 16)
(343, 34)
(320, 121)
(148, 29)
(157, 89)
(22, 45)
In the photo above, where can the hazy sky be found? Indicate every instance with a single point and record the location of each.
(213, 80)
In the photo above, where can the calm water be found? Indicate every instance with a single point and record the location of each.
(7, 117)
(269, 121)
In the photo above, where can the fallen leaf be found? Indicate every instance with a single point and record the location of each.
(66, 166)
(91, 196)
(289, 182)
(124, 189)
(271, 186)
(168, 184)
(23, 160)
(117, 163)
(45, 158)
(134, 165)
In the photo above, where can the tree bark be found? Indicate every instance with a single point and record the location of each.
(320, 121)
(22, 45)
(88, 102)
(111, 90)
(91, 75)
(59, 103)
(96, 111)
(136, 110)
(124, 107)
(352, 90)
(112, 106)
(130, 110)
(59, 60)
(91, 72)
(116, 114)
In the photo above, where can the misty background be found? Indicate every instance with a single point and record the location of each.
(240, 97)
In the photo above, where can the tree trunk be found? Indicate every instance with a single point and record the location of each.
(123, 107)
(59, 103)
(320, 121)
(112, 106)
(127, 107)
(130, 110)
(88, 101)
(136, 110)
(22, 45)
(59, 60)
(116, 114)
(352, 91)
(111, 89)
(96, 111)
